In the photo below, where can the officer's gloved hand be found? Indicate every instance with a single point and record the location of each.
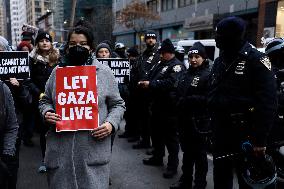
(10, 162)
(193, 101)
(181, 104)
(259, 151)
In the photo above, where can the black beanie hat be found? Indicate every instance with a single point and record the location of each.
(102, 45)
(27, 36)
(43, 35)
(167, 46)
(199, 49)
(132, 52)
(231, 26)
(149, 34)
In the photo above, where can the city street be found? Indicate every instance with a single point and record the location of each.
(127, 170)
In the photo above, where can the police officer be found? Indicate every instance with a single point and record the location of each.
(242, 99)
(275, 51)
(8, 135)
(179, 53)
(119, 49)
(193, 119)
(139, 72)
(162, 83)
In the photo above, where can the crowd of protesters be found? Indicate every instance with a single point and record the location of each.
(227, 108)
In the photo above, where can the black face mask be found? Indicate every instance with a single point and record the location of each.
(78, 55)
(277, 59)
(229, 44)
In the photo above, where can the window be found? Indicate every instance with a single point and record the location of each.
(117, 16)
(183, 3)
(153, 6)
(37, 9)
(167, 5)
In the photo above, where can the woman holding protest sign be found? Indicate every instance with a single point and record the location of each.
(81, 158)
(43, 60)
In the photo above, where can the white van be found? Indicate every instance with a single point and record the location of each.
(210, 46)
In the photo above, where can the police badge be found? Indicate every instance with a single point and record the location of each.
(266, 62)
(240, 68)
(164, 69)
(177, 68)
(195, 81)
(150, 59)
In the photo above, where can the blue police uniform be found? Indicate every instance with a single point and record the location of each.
(193, 124)
(163, 79)
(139, 97)
(243, 103)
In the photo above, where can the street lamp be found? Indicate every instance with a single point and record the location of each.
(246, 4)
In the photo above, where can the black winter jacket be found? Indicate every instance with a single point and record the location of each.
(245, 85)
(163, 80)
(192, 91)
(40, 72)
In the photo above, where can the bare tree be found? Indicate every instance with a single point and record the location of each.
(137, 16)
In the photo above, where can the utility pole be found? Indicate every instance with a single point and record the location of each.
(74, 2)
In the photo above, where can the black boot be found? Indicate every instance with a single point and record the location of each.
(170, 173)
(133, 139)
(153, 161)
(150, 152)
(181, 184)
(141, 144)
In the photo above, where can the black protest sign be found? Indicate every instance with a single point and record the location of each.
(120, 68)
(14, 64)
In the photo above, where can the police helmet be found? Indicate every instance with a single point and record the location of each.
(274, 45)
(119, 46)
(259, 172)
(275, 51)
(179, 49)
(279, 161)
(179, 53)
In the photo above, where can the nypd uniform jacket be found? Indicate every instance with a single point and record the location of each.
(163, 79)
(246, 84)
(279, 73)
(145, 63)
(277, 132)
(191, 98)
(140, 71)
(192, 90)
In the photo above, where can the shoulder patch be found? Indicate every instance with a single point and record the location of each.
(177, 68)
(266, 62)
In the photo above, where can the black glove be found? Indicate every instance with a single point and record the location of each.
(4, 170)
(181, 104)
(10, 162)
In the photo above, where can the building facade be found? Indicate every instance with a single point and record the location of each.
(271, 19)
(196, 19)
(17, 19)
(3, 20)
(97, 12)
(35, 9)
(58, 20)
